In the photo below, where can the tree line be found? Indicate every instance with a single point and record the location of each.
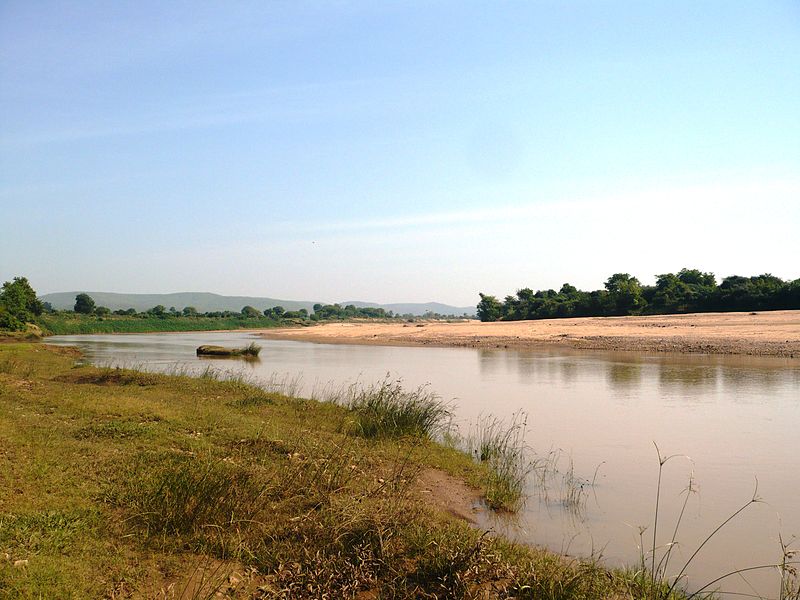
(689, 290)
(19, 305)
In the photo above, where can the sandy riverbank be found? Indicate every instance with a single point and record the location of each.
(775, 333)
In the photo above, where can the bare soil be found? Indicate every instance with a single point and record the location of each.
(773, 333)
(449, 494)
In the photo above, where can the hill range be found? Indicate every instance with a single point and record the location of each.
(208, 302)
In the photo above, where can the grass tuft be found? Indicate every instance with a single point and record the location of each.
(252, 349)
(386, 409)
(501, 446)
(178, 494)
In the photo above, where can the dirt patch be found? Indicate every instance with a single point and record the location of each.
(775, 333)
(449, 495)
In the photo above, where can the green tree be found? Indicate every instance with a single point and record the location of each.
(84, 304)
(9, 322)
(278, 311)
(671, 294)
(625, 294)
(102, 311)
(489, 308)
(19, 300)
(189, 311)
(697, 277)
(158, 310)
(250, 312)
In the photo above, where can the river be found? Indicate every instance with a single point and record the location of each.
(731, 422)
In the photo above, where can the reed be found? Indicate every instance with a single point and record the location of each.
(501, 446)
(386, 409)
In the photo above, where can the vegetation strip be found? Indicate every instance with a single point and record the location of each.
(688, 291)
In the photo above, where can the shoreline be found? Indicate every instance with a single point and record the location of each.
(774, 333)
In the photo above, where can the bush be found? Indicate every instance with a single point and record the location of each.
(9, 321)
(19, 299)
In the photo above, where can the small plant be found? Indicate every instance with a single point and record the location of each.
(386, 409)
(790, 580)
(502, 447)
(252, 349)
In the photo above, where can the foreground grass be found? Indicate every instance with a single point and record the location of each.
(75, 324)
(119, 484)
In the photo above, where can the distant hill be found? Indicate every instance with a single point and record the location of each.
(205, 302)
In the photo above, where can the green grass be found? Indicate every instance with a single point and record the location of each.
(501, 447)
(386, 409)
(74, 324)
(119, 484)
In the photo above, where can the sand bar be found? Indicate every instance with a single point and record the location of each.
(772, 333)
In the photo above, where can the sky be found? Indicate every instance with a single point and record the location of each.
(396, 151)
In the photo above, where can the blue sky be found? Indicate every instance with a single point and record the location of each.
(396, 151)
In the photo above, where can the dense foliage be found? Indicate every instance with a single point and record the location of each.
(18, 304)
(324, 312)
(690, 290)
(84, 304)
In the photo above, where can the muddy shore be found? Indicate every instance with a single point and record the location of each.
(775, 333)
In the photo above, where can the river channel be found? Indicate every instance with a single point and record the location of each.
(733, 423)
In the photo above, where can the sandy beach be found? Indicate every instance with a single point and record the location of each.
(775, 333)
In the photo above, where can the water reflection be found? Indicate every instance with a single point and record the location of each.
(624, 377)
(679, 377)
(682, 380)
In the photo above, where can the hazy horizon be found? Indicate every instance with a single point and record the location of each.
(385, 153)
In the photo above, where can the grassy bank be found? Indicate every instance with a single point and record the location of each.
(120, 484)
(73, 323)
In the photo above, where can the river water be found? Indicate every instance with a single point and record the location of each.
(733, 423)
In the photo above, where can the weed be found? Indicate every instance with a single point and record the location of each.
(387, 410)
(654, 578)
(179, 494)
(502, 447)
(252, 349)
(788, 571)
